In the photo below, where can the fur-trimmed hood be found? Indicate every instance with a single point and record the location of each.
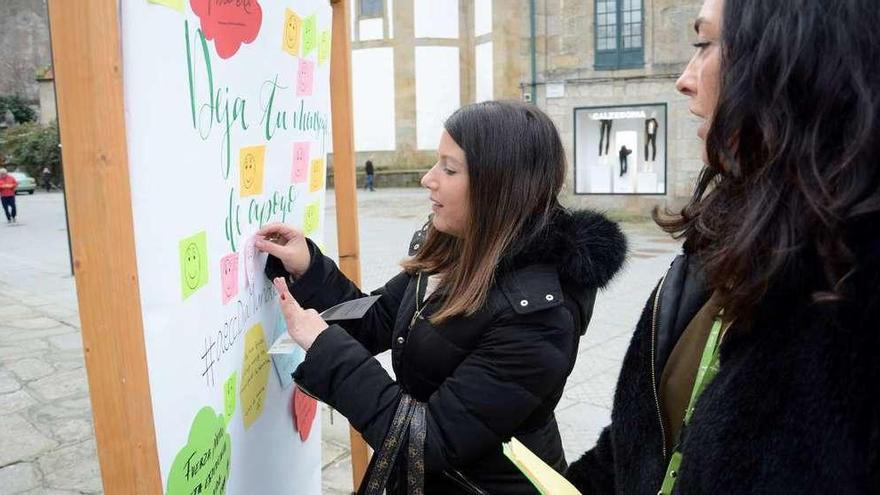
(586, 247)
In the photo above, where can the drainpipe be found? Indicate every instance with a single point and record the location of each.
(533, 48)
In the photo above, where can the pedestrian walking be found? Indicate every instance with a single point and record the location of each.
(47, 179)
(754, 366)
(369, 176)
(483, 322)
(8, 186)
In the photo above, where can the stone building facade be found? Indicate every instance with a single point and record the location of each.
(603, 69)
(617, 61)
(24, 47)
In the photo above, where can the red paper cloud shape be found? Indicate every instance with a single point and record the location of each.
(229, 22)
(304, 409)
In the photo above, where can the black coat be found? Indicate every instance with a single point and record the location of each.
(795, 407)
(486, 377)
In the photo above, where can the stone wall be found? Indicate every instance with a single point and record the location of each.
(24, 38)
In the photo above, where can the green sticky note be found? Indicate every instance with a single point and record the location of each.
(229, 397)
(202, 465)
(324, 48)
(193, 263)
(173, 4)
(310, 34)
(311, 218)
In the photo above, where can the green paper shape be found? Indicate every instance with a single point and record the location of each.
(310, 34)
(229, 397)
(202, 465)
(193, 263)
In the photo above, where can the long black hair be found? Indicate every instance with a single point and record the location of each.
(516, 169)
(793, 181)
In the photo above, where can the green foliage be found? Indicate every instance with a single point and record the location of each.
(21, 111)
(32, 147)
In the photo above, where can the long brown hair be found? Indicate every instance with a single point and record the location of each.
(784, 209)
(516, 168)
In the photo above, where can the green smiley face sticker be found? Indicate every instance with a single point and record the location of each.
(193, 263)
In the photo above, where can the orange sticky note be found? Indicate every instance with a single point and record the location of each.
(292, 31)
(251, 161)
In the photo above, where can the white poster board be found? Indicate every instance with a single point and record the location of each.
(228, 125)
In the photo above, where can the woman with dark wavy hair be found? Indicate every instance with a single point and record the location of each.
(483, 322)
(754, 367)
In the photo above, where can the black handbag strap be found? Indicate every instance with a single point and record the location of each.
(383, 460)
(415, 466)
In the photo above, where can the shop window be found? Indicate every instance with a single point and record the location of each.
(620, 149)
(620, 41)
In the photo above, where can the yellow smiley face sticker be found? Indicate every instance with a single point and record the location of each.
(251, 160)
(292, 32)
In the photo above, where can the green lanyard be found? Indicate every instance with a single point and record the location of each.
(709, 365)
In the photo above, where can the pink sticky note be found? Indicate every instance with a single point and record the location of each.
(305, 77)
(300, 162)
(229, 276)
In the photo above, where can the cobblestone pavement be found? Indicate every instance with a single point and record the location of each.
(46, 429)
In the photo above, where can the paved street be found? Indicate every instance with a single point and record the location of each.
(46, 431)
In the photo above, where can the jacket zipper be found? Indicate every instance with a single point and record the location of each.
(303, 390)
(654, 364)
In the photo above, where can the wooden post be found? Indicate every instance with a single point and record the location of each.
(88, 73)
(345, 184)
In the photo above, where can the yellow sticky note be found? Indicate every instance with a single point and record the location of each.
(251, 161)
(544, 477)
(292, 31)
(173, 4)
(254, 375)
(316, 175)
(312, 218)
(324, 48)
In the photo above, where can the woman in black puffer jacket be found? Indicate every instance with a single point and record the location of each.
(483, 322)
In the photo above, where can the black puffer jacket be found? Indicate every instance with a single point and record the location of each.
(795, 407)
(485, 378)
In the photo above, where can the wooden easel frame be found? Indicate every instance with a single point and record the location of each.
(87, 58)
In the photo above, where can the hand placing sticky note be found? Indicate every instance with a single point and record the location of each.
(310, 34)
(193, 263)
(172, 4)
(301, 157)
(311, 218)
(292, 30)
(254, 375)
(251, 161)
(316, 175)
(324, 48)
(305, 77)
(229, 277)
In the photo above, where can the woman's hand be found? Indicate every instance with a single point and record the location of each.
(303, 325)
(287, 244)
